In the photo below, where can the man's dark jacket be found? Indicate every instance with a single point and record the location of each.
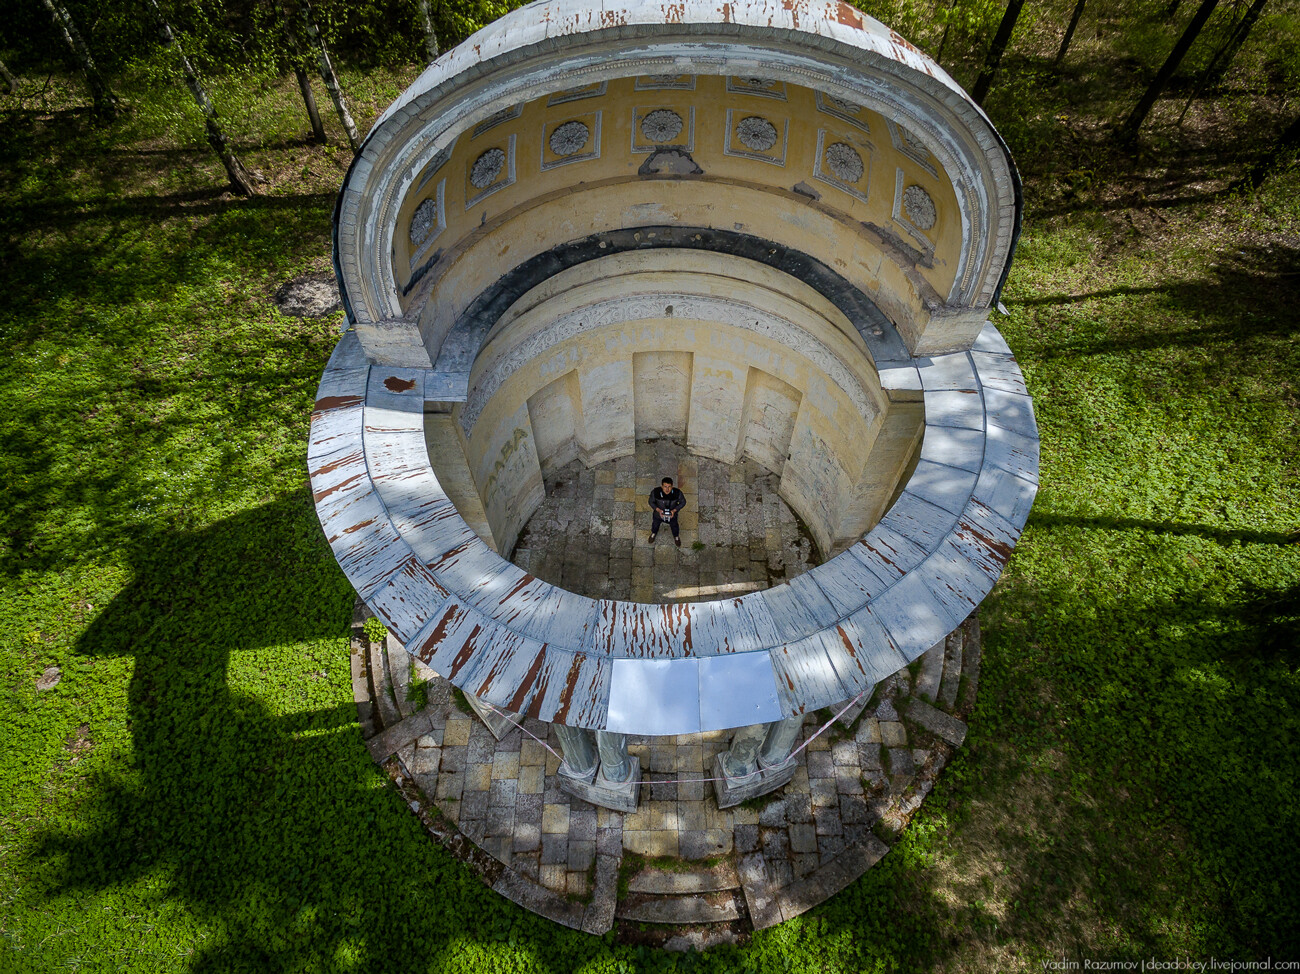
(672, 502)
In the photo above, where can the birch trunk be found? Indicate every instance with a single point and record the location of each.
(430, 38)
(240, 180)
(313, 113)
(1223, 60)
(100, 94)
(330, 78)
(943, 40)
(1214, 73)
(10, 81)
(297, 58)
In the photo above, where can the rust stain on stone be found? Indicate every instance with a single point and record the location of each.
(335, 464)
(444, 558)
(499, 666)
(848, 643)
(879, 554)
(466, 652)
(394, 384)
(516, 703)
(337, 402)
(566, 695)
(999, 550)
(319, 495)
(847, 16)
(523, 583)
(425, 652)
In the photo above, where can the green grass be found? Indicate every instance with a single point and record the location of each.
(195, 795)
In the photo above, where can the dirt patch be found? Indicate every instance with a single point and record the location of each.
(309, 296)
(78, 744)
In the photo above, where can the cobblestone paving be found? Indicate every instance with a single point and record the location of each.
(591, 533)
(749, 866)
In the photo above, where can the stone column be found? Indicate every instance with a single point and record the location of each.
(757, 762)
(579, 752)
(614, 763)
(781, 736)
(613, 783)
(741, 759)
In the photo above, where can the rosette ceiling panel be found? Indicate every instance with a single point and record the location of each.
(772, 230)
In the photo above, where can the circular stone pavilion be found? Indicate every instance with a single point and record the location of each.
(768, 232)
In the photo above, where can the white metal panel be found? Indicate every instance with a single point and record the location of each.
(648, 696)
(736, 690)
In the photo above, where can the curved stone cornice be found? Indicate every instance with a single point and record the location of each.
(532, 648)
(544, 47)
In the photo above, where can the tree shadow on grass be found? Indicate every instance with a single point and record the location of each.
(1127, 790)
(248, 796)
(1219, 332)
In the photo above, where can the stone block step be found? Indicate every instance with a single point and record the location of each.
(381, 687)
(697, 908)
(928, 680)
(951, 670)
(937, 722)
(681, 882)
(399, 673)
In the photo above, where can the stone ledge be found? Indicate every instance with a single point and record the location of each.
(692, 908)
(388, 741)
(937, 722)
(795, 852)
(538, 899)
(803, 895)
(660, 882)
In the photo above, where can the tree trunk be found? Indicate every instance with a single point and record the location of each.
(1289, 141)
(10, 81)
(943, 39)
(430, 38)
(313, 113)
(1214, 73)
(297, 59)
(100, 94)
(240, 180)
(1223, 60)
(330, 78)
(1000, 41)
(1069, 33)
(1129, 130)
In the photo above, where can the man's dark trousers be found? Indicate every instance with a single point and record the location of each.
(656, 520)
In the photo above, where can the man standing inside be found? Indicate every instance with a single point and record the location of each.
(665, 501)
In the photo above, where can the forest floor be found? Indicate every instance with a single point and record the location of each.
(194, 793)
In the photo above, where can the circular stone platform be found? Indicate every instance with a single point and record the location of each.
(708, 875)
(774, 234)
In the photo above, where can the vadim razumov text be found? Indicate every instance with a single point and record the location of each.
(1182, 964)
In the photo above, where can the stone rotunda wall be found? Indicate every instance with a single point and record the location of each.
(732, 357)
(772, 231)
